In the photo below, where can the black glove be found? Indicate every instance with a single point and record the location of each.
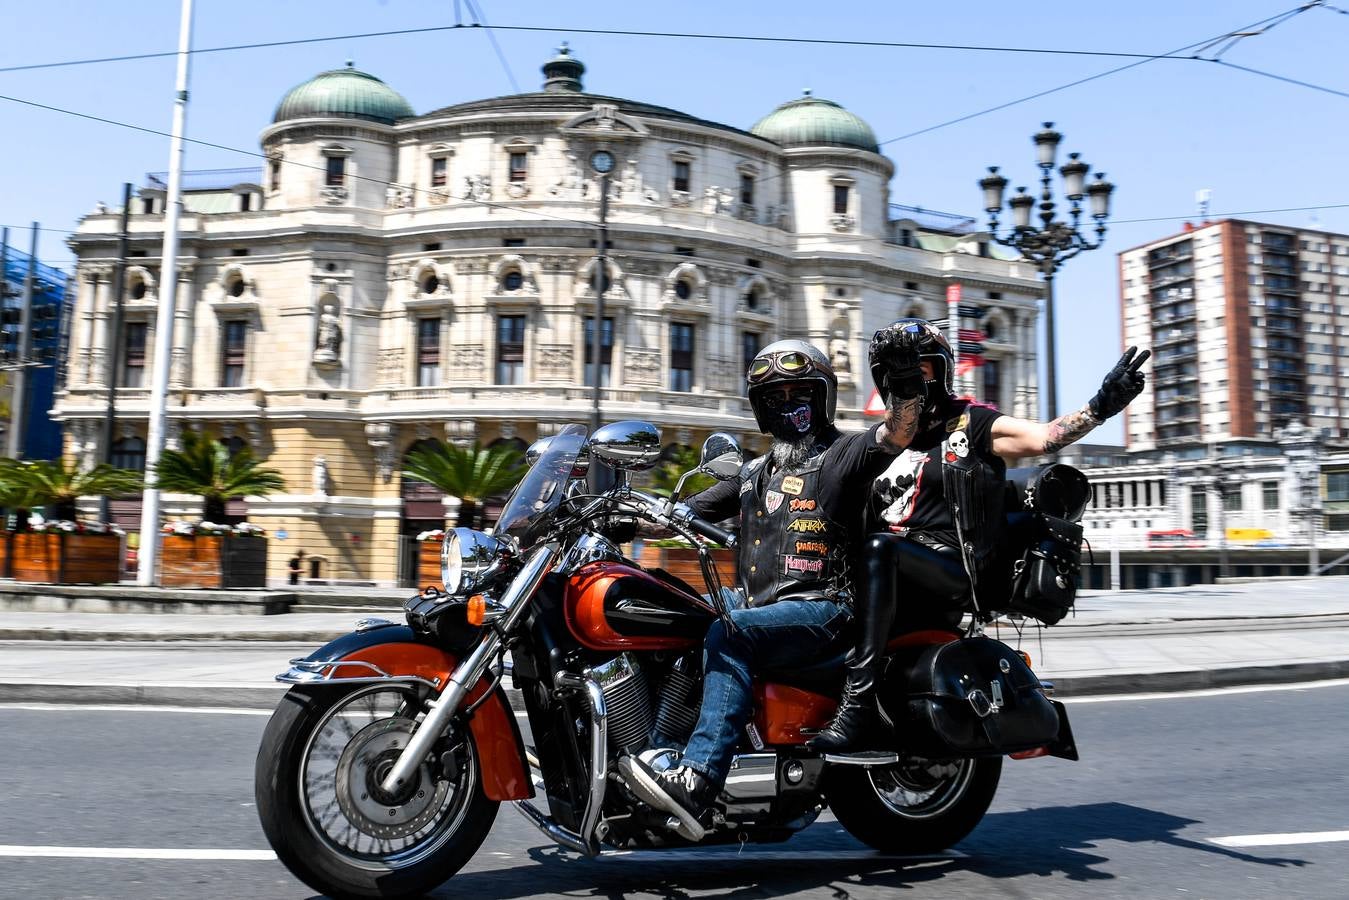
(895, 357)
(1121, 385)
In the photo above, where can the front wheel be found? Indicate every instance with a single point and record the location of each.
(915, 805)
(323, 755)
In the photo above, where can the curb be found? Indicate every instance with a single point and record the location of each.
(223, 695)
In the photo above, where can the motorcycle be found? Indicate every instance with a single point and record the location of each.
(383, 768)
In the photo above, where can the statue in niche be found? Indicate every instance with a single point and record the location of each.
(329, 338)
(319, 476)
(839, 356)
(571, 180)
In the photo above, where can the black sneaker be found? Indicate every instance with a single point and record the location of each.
(682, 791)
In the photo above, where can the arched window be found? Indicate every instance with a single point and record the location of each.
(129, 453)
(513, 443)
(415, 490)
(234, 444)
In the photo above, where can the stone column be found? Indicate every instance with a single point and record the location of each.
(98, 327)
(180, 372)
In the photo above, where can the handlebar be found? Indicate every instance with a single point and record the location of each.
(713, 532)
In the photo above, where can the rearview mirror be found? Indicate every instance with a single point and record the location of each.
(631, 446)
(722, 457)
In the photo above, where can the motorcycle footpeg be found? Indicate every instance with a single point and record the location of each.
(863, 758)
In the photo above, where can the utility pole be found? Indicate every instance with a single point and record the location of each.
(4, 295)
(149, 542)
(601, 284)
(19, 404)
(115, 338)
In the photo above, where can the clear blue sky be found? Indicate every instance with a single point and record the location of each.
(1161, 130)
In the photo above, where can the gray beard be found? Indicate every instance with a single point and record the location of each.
(793, 455)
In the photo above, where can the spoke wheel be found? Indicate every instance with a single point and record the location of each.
(915, 805)
(323, 756)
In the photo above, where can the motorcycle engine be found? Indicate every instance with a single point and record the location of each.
(629, 699)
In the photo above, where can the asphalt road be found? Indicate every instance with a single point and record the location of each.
(1160, 781)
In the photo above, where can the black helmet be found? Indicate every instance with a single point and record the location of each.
(932, 346)
(792, 362)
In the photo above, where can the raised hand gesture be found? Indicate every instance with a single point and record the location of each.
(1121, 385)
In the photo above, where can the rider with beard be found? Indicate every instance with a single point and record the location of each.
(802, 516)
(947, 448)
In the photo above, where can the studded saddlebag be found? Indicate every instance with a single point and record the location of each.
(977, 697)
(1044, 580)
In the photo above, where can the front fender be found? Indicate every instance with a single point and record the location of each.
(392, 652)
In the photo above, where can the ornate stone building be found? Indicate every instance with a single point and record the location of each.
(389, 277)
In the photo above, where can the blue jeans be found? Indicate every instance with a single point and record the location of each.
(790, 632)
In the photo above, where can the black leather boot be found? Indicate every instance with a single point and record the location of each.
(859, 725)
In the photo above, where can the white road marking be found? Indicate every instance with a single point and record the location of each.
(136, 707)
(1207, 692)
(1281, 840)
(733, 854)
(135, 853)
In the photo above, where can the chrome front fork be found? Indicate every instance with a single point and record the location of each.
(470, 671)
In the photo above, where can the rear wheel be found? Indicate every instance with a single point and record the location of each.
(914, 805)
(323, 755)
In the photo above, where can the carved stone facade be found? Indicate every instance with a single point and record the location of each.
(445, 289)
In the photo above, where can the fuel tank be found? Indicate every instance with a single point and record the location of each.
(617, 606)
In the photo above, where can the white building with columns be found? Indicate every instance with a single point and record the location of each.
(389, 277)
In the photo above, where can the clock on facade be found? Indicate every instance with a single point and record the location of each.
(602, 161)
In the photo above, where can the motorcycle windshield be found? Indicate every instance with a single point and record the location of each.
(530, 507)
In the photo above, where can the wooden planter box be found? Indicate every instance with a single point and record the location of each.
(428, 565)
(6, 544)
(683, 563)
(213, 561)
(65, 558)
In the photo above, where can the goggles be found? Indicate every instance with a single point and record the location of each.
(792, 363)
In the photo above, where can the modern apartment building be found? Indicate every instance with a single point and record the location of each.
(1249, 324)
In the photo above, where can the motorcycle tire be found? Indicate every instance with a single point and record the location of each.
(914, 806)
(290, 826)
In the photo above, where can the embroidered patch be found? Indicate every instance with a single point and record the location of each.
(958, 423)
(801, 506)
(802, 565)
(819, 547)
(807, 526)
(959, 443)
(793, 485)
(773, 501)
(746, 486)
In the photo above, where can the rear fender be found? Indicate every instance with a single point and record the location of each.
(393, 653)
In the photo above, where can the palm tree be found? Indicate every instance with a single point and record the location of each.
(204, 467)
(55, 486)
(14, 492)
(676, 463)
(470, 473)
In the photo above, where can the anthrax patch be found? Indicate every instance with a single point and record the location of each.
(793, 485)
(801, 506)
(803, 565)
(819, 547)
(773, 500)
(807, 526)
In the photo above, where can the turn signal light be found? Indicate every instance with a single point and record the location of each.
(476, 610)
(1025, 656)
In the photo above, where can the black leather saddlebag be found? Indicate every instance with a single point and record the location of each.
(976, 697)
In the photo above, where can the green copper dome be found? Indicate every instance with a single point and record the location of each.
(813, 122)
(344, 94)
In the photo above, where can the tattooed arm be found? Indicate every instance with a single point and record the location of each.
(1016, 438)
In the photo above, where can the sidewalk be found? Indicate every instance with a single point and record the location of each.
(1161, 640)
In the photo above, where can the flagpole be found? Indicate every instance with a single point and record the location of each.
(168, 291)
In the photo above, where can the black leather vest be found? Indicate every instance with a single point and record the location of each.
(789, 548)
(975, 490)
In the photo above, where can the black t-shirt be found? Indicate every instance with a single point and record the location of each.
(908, 495)
(851, 464)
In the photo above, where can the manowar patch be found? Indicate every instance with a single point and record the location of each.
(793, 565)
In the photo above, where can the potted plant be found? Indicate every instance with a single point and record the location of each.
(208, 553)
(470, 473)
(61, 549)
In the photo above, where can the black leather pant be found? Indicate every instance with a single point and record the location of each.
(902, 583)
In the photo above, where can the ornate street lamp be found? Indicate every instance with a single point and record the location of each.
(1052, 242)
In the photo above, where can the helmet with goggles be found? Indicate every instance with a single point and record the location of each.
(786, 364)
(890, 359)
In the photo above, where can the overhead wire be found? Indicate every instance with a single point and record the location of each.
(477, 13)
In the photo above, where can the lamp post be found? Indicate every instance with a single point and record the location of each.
(602, 163)
(1302, 445)
(1053, 241)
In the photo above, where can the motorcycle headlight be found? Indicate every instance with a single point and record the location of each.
(469, 559)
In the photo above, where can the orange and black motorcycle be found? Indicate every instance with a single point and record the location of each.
(382, 770)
